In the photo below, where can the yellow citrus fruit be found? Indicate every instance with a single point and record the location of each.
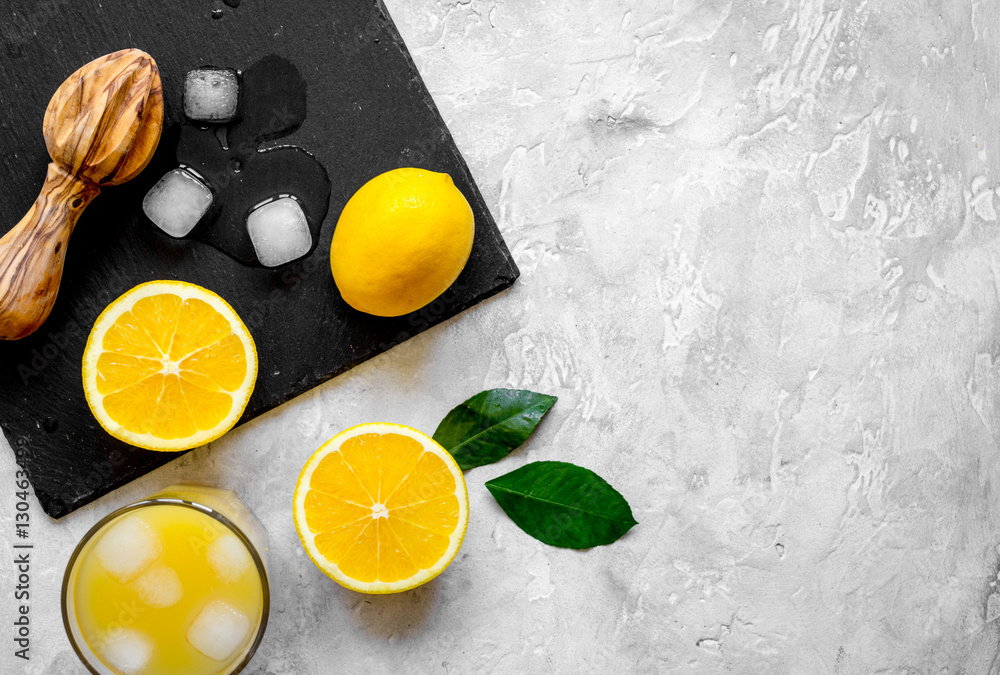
(401, 241)
(169, 366)
(381, 508)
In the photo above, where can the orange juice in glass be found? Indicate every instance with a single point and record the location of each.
(173, 584)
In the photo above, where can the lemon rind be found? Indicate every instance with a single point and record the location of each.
(307, 537)
(92, 353)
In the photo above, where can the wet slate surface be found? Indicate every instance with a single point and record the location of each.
(368, 112)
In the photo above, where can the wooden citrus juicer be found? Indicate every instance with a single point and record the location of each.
(101, 128)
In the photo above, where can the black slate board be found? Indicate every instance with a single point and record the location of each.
(368, 112)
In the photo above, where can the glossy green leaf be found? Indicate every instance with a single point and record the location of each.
(562, 504)
(491, 424)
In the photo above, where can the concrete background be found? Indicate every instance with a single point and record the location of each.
(759, 244)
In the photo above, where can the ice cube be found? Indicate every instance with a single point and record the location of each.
(127, 548)
(211, 95)
(229, 558)
(127, 651)
(177, 202)
(279, 231)
(159, 587)
(219, 631)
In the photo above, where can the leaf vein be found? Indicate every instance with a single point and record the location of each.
(554, 503)
(494, 426)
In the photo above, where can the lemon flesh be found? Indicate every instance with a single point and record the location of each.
(381, 508)
(169, 366)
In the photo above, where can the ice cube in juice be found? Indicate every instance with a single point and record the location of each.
(155, 576)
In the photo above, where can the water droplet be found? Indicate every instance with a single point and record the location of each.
(50, 424)
(217, 14)
(232, 3)
(235, 165)
(223, 135)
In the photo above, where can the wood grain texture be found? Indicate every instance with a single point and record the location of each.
(32, 254)
(104, 122)
(101, 128)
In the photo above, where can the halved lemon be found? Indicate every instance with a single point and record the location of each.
(169, 366)
(381, 508)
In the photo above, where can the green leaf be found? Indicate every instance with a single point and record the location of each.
(491, 424)
(562, 504)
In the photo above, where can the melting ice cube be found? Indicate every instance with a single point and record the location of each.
(211, 95)
(127, 651)
(279, 232)
(219, 631)
(177, 202)
(159, 587)
(128, 548)
(229, 558)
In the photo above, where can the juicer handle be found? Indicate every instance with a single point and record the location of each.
(33, 252)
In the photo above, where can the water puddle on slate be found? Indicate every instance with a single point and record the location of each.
(229, 159)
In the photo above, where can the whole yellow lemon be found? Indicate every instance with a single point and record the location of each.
(401, 241)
